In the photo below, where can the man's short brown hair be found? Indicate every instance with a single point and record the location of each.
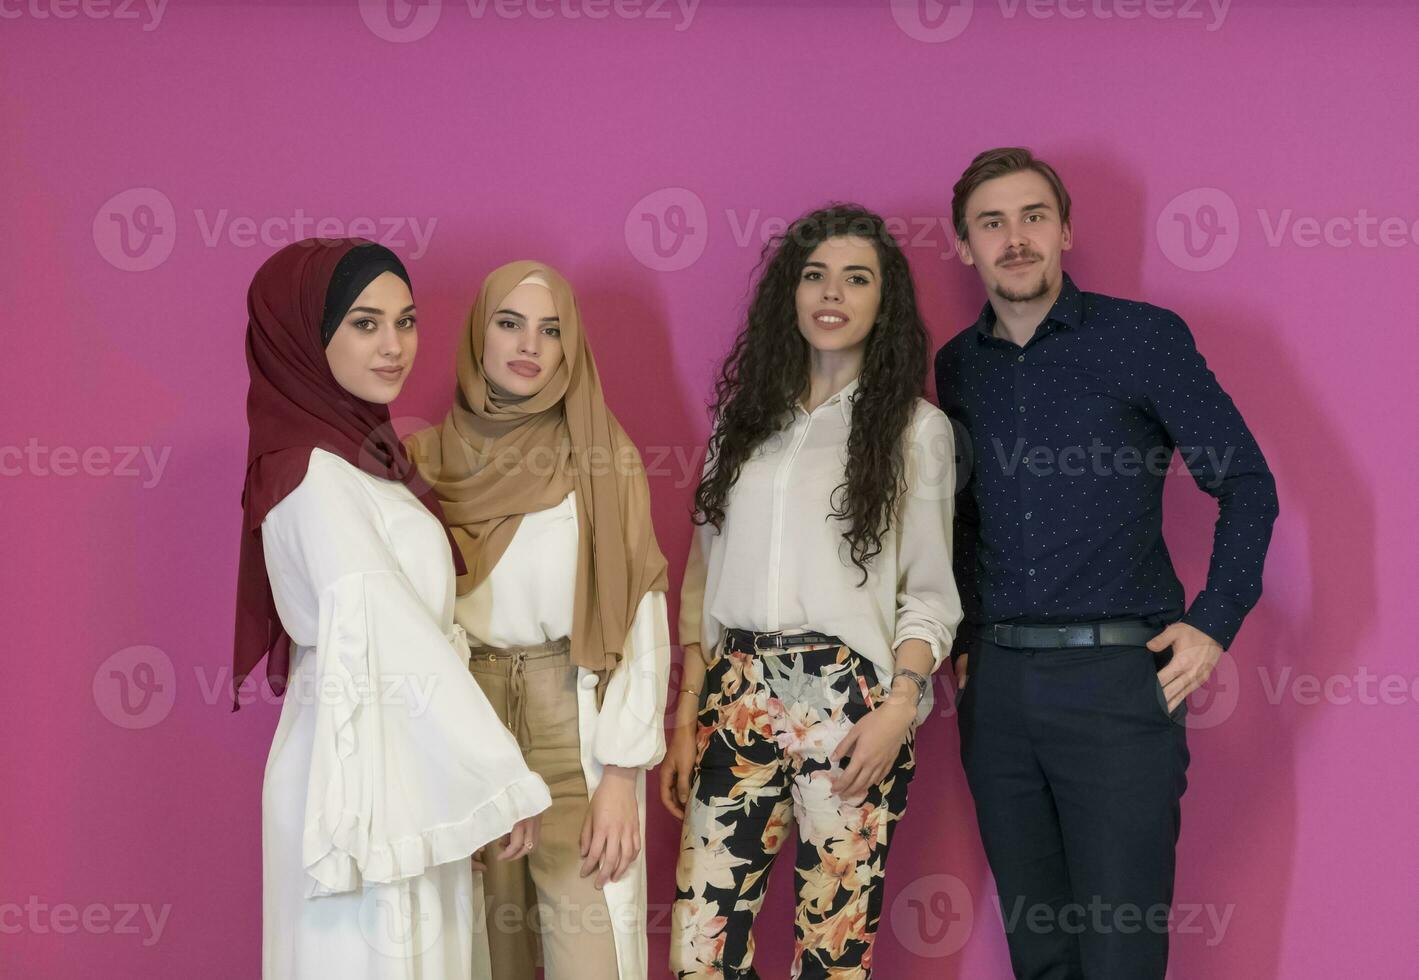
(997, 163)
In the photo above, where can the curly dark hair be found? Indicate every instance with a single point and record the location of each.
(767, 370)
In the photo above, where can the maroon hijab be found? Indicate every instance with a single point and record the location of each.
(294, 404)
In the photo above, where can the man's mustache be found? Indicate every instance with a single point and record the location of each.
(1013, 256)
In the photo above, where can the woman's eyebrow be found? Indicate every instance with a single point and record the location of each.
(377, 311)
(545, 319)
(847, 268)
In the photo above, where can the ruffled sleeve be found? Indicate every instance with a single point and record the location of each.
(630, 727)
(411, 767)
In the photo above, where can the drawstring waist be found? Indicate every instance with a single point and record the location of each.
(515, 661)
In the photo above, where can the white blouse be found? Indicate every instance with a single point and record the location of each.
(779, 562)
(527, 599)
(403, 764)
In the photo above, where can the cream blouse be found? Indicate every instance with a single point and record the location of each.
(527, 599)
(780, 563)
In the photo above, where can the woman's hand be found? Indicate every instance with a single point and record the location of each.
(873, 743)
(611, 833)
(677, 769)
(520, 840)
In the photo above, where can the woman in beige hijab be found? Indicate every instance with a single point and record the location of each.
(564, 604)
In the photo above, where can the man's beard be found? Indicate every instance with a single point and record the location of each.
(1024, 295)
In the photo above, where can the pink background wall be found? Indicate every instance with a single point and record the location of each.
(646, 156)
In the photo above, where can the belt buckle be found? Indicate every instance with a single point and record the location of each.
(759, 636)
(1077, 636)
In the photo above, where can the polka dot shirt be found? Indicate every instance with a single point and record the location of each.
(1062, 449)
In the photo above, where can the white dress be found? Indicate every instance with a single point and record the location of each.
(527, 599)
(388, 768)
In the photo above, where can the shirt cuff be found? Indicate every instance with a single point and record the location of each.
(938, 649)
(1216, 615)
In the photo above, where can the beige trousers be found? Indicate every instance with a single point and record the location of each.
(539, 903)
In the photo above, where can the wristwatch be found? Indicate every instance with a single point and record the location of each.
(915, 678)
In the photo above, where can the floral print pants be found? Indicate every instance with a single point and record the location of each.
(767, 724)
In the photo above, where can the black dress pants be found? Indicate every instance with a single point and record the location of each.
(1077, 770)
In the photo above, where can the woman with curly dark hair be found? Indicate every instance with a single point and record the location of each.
(819, 587)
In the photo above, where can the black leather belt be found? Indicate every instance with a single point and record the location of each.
(737, 639)
(1114, 634)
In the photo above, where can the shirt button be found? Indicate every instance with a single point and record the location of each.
(1020, 358)
(1027, 514)
(1032, 573)
(1022, 408)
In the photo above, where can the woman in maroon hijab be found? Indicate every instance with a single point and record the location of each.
(389, 768)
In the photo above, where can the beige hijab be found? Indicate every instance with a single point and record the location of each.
(496, 457)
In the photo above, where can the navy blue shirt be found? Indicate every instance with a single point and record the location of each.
(1064, 444)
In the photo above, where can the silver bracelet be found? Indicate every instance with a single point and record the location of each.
(915, 678)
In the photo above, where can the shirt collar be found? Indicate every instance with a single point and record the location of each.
(1067, 312)
(844, 398)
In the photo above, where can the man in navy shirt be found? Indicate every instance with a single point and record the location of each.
(1077, 651)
